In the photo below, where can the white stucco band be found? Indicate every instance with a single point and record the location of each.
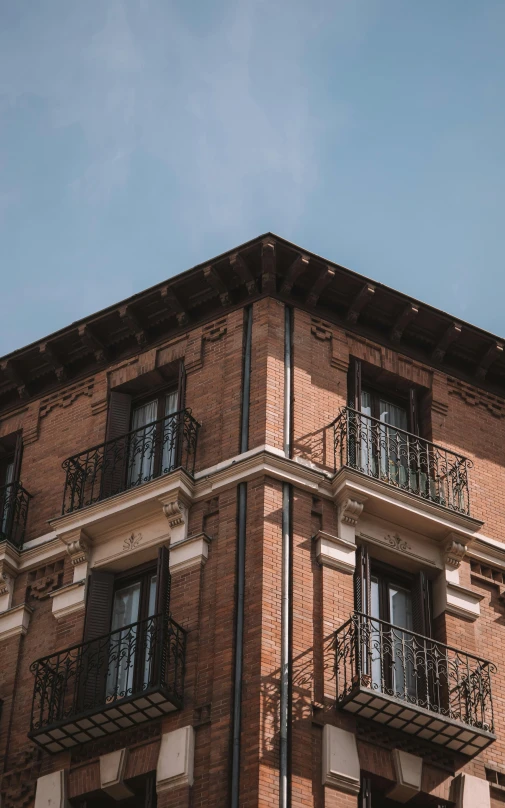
(175, 759)
(340, 759)
(51, 791)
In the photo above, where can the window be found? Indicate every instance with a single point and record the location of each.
(396, 608)
(123, 629)
(143, 436)
(11, 448)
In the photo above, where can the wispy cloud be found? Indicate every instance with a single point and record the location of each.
(223, 106)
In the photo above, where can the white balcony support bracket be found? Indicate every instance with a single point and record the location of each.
(449, 596)
(409, 773)
(340, 760)
(112, 772)
(331, 551)
(9, 568)
(78, 550)
(68, 599)
(15, 621)
(468, 791)
(190, 552)
(175, 759)
(51, 791)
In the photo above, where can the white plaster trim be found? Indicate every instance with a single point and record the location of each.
(112, 771)
(175, 759)
(402, 508)
(463, 602)
(52, 790)
(69, 599)
(380, 499)
(15, 621)
(331, 551)
(468, 791)
(409, 775)
(340, 760)
(190, 552)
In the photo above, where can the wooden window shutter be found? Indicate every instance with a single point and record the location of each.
(98, 604)
(18, 453)
(115, 459)
(163, 582)
(118, 420)
(413, 412)
(94, 660)
(354, 384)
(421, 605)
(181, 389)
(362, 582)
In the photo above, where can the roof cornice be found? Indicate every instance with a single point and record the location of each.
(265, 266)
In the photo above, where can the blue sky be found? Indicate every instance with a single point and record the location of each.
(141, 137)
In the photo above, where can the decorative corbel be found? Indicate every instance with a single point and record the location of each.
(78, 551)
(350, 511)
(176, 512)
(454, 552)
(8, 574)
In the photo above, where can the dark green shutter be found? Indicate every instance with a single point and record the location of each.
(115, 455)
(362, 582)
(94, 662)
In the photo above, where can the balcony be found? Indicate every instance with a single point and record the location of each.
(414, 684)
(131, 460)
(99, 687)
(13, 513)
(400, 459)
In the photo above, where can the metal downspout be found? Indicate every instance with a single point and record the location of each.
(241, 538)
(284, 767)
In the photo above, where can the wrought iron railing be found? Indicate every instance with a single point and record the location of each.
(417, 670)
(92, 677)
(130, 460)
(13, 513)
(401, 459)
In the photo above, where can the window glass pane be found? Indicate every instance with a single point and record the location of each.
(152, 595)
(126, 606)
(391, 414)
(400, 608)
(376, 650)
(171, 402)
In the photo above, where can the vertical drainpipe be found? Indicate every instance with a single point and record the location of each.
(284, 790)
(241, 537)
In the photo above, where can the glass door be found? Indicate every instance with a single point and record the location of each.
(391, 643)
(141, 450)
(170, 433)
(133, 637)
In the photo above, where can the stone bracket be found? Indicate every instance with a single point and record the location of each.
(112, 771)
(175, 759)
(340, 760)
(332, 551)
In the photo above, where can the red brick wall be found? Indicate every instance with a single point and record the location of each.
(203, 599)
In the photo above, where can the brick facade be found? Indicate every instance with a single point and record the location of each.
(464, 418)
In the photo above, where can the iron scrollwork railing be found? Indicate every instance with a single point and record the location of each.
(130, 460)
(124, 664)
(13, 513)
(413, 669)
(401, 459)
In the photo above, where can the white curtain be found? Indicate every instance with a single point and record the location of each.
(122, 650)
(142, 444)
(393, 459)
(400, 609)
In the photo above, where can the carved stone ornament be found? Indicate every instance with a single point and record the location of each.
(454, 552)
(78, 551)
(396, 542)
(132, 541)
(6, 582)
(174, 511)
(350, 511)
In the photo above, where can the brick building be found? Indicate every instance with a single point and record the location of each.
(251, 548)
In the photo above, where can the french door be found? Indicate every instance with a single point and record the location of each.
(153, 443)
(393, 654)
(132, 637)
